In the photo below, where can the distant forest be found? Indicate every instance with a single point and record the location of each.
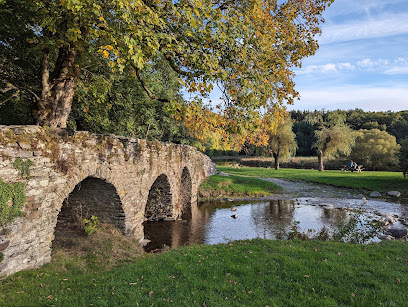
(395, 123)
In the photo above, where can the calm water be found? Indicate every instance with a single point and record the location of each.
(212, 223)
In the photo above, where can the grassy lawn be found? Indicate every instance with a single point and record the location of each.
(374, 181)
(243, 273)
(236, 186)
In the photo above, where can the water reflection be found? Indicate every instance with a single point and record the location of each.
(212, 223)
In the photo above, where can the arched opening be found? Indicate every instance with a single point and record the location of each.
(91, 197)
(158, 209)
(159, 203)
(185, 194)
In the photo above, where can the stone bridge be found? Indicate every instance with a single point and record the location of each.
(122, 181)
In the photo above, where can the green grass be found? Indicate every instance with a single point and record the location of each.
(236, 186)
(244, 273)
(374, 181)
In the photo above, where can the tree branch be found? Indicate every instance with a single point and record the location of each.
(16, 87)
(178, 70)
(12, 96)
(149, 93)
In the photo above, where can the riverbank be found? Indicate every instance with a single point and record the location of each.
(364, 182)
(248, 273)
(223, 186)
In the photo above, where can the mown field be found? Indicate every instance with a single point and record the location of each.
(244, 273)
(367, 180)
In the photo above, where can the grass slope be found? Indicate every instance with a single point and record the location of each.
(243, 273)
(374, 181)
(236, 186)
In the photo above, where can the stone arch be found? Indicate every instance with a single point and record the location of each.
(91, 196)
(186, 193)
(159, 204)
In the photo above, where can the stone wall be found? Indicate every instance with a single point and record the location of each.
(60, 162)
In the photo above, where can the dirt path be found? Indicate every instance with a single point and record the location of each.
(308, 189)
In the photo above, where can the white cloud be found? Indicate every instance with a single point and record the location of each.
(390, 67)
(351, 97)
(384, 26)
(401, 70)
(326, 68)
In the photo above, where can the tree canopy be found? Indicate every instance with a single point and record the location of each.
(247, 47)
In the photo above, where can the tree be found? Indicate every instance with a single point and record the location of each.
(375, 149)
(403, 156)
(248, 47)
(333, 136)
(282, 142)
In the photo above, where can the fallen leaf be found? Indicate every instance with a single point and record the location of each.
(151, 293)
(172, 277)
(49, 296)
(398, 280)
(352, 294)
(306, 276)
(41, 285)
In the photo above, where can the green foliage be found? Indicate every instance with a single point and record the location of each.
(282, 142)
(403, 156)
(12, 199)
(304, 138)
(113, 102)
(23, 166)
(92, 225)
(375, 149)
(196, 38)
(1, 257)
(334, 141)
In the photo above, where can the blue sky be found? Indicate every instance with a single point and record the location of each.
(362, 61)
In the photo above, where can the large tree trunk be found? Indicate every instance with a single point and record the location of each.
(58, 93)
(320, 160)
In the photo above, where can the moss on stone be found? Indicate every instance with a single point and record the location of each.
(12, 199)
(23, 166)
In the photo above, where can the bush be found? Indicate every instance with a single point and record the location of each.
(92, 225)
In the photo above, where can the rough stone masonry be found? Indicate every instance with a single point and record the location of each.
(62, 160)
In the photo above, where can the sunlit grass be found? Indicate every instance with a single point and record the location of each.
(372, 181)
(236, 186)
(245, 273)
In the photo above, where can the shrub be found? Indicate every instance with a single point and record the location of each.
(92, 225)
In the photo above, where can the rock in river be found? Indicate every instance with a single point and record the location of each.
(394, 193)
(397, 233)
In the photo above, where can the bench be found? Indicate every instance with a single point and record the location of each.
(357, 169)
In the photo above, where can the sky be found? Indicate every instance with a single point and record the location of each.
(362, 61)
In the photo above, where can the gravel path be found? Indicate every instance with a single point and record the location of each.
(308, 189)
